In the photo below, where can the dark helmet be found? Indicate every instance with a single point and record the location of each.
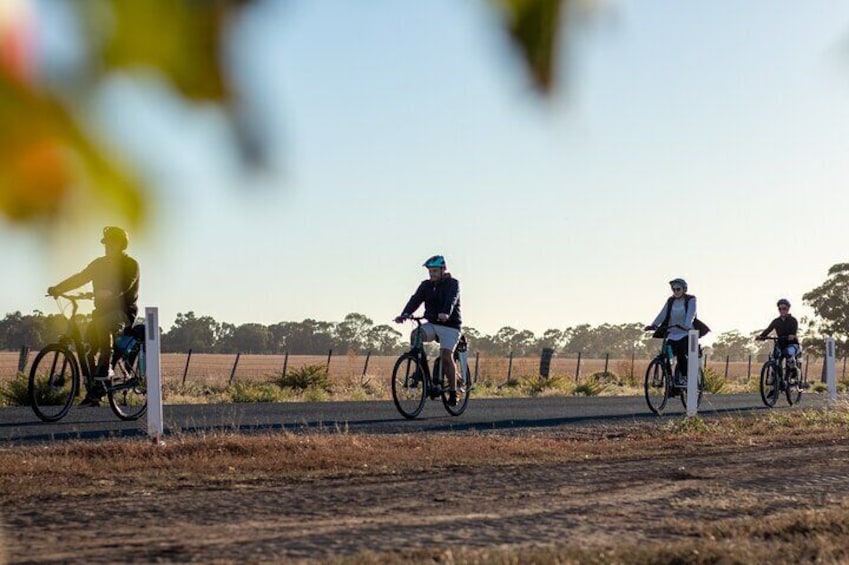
(680, 282)
(435, 262)
(112, 233)
(783, 301)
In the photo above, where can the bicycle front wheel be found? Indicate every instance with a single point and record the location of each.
(794, 386)
(408, 386)
(656, 386)
(769, 386)
(127, 390)
(53, 382)
(462, 389)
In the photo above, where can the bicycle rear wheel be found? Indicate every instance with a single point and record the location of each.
(53, 382)
(463, 389)
(408, 386)
(656, 386)
(769, 384)
(794, 386)
(127, 390)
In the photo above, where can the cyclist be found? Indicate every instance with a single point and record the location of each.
(115, 278)
(785, 327)
(440, 294)
(677, 314)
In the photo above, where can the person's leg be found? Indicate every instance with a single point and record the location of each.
(447, 362)
(679, 348)
(105, 327)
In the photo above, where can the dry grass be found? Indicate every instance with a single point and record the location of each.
(751, 531)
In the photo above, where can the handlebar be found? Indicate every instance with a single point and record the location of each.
(75, 297)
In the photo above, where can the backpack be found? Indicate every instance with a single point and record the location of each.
(697, 324)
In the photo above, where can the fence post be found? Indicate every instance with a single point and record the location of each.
(545, 361)
(329, 355)
(749, 370)
(606, 361)
(510, 367)
(22, 359)
(233, 372)
(829, 370)
(706, 359)
(843, 376)
(632, 364)
(153, 370)
(578, 367)
(693, 373)
(186, 370)
(365, 366)
(477, 358)
(285, 361)
(727, 359)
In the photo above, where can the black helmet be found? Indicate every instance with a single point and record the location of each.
(112, 233)
(783, 301)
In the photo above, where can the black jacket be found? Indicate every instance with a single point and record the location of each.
(442, 297)
(783, 328)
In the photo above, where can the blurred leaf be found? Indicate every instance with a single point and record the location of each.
(181, 38)
(47, 163)
(534, 25)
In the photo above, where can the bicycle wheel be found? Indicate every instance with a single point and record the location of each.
(794, 386)
(769, 384)
(53, 382)
(656, 386)
(701, 389)
(408, 386)
(463, 389)
(127, 390)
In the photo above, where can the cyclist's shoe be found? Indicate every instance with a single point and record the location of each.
(90, 401)
(452, 398)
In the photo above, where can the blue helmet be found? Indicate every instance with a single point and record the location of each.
(435, 262)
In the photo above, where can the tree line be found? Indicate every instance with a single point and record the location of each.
(358, 333)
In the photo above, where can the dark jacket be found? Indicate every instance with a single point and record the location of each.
(120, 275)
(783, 328)
(442, 297)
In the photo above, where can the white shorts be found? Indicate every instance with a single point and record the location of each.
(448, 337)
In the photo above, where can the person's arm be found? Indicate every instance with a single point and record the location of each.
(131, 278)
(415, 301)
(793, 327)
(451, 297)
(659, 318)
(768, 329)
(72, 282)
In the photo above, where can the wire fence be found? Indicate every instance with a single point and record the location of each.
(217, 369)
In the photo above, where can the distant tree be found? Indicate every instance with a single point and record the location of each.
(309, 337)
(830, 302)
(17, 330)
(552, 338)
(384, 340)
(190, 332)
(352, 332)
(734, 345)
(247, 338)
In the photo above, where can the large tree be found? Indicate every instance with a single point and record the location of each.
(830, 302)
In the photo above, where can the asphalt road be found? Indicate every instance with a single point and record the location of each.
(19, 425)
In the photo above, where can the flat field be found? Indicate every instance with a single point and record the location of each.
(216, 369)
(766, 489)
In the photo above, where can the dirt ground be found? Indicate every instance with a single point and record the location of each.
(671, 495)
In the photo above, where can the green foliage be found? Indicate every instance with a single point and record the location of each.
(304, 378)
(590, 387)
(830, 302)
(255, 392)
(15, 392)
(714, 382)
(696, 425)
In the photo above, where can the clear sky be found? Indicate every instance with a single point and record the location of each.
(707, 140)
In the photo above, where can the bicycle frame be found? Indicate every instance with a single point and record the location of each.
(73, 339)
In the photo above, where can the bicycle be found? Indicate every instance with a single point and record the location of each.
(413, 382)
(776, 379)
(54, 379)
(664, 381)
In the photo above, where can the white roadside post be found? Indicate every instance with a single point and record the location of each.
(153, 368)
(693, 373)
(830, 370)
